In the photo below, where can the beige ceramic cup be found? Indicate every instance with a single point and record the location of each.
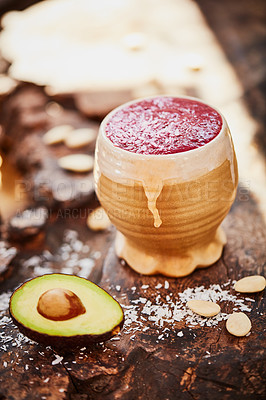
(167, 208)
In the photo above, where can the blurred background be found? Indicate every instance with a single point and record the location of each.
(90, 56)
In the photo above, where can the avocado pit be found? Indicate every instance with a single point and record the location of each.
(60, 304)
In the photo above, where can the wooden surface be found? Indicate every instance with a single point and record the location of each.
(204, 363)
(205, 360)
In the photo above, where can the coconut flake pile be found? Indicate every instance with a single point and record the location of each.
(6, 255)
(143, 314)
(10, 337)
(73, 256)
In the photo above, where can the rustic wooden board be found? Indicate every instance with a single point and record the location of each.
(204, 361)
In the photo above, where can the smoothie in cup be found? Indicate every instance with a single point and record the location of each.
(166, 174)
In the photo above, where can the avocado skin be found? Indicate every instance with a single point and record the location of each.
(64, 342)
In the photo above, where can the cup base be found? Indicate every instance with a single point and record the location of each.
(177, 265)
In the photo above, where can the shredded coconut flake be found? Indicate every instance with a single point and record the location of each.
(144, 286)
(143, 314)
(4, 301)
(70, 257)
(57, 360)
(158, 286)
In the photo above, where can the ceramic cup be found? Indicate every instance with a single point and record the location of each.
(167, 208)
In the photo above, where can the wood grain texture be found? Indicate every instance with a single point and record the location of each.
(206, 360)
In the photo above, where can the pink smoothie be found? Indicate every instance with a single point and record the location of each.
(163, 125)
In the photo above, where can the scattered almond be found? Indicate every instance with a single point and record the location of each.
(238, 324)
(77, 162)
(80, 137)
(98, 220)
(204, 308)
(250, 284)
(56, 134)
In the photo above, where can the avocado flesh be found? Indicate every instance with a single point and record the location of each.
(103, 314)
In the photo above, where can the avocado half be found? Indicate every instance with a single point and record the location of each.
(65, 311)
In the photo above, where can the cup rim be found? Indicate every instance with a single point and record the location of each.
(165, 156)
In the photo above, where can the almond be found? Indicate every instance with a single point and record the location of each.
(204, 308)
(56, 134)
(250, 284)
(238, 324)
(80, 137)
(77, 162)
(98, 220)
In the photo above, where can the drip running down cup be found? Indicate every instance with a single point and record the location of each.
(166, 174)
